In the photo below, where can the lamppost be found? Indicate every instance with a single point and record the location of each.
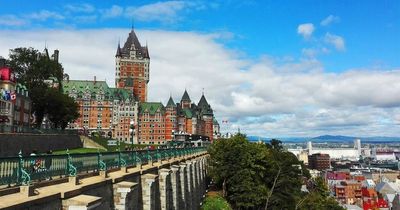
(132, 130)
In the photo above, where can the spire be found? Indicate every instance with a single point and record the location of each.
(203, 102)
(171, 102)
(185, 96)
(118, 54)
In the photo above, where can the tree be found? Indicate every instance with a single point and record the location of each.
(61, 109)
(237, 167)
(258, 176)
(318, 197)
(32, 68)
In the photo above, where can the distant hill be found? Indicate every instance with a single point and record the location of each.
(284, 139)
(329, 138)
(333, 138)
(339, 138)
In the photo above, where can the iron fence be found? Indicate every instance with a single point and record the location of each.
(26, 169)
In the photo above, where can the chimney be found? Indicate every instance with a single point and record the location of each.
(56, 53)
(2, 62)
(94, 81)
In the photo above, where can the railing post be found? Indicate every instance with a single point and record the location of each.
(119, 158)
(98, 160)
(20, 162)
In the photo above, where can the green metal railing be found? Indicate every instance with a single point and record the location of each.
(22, 170)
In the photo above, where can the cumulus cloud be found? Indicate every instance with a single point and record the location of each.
(330, 19)
(306, 30)
(114, 11)
(159, 11)
(267, 96)
(78, 8)
(44, 15)
(335, 40)
(12, 20)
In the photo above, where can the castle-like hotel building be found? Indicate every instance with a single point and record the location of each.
(115, 111)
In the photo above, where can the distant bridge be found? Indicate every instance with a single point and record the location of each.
(172, 178)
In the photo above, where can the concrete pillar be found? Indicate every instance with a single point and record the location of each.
(195, 192)
(199, 183)
(126, 196)
(165, 188)
(184, 186)
(189, 177)
(82, 202)
(176, 187)
(150, 192)
(202, 177)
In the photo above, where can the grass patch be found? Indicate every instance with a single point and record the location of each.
(77, 151)
(104, 142)
(215, 201)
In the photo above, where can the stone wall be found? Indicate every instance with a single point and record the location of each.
(178, 183)
(11, 144)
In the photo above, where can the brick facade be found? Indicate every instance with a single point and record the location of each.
(113, 109)
(132, 67)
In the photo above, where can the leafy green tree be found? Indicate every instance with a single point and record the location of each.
(32, 68)
(61, 108)
(237, 167)
(318, 197)
(259, 176)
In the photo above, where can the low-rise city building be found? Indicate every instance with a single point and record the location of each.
(319, 161)
(15, 104)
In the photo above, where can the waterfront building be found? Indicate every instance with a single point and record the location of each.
(334, 153)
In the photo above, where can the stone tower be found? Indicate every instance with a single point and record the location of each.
(132, 67)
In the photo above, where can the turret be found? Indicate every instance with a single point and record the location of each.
(185, 101)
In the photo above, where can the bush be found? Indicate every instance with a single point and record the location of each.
(215, 202)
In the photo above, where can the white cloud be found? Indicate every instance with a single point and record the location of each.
(330, 19)
(77, 8)
(12, 20)
(269, 96)
(85, 18)
(114, 11)
(166, 12)
(335, 40)
(43, 15)
(306, 30)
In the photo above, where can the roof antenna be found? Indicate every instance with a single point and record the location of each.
(202, 92)
(45, 44)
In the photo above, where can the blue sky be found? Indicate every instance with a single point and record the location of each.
(278, 68)
(370, 28)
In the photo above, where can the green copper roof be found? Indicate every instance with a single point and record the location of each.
(151, 107)
(185, 96)
(83, 86)
(215, 122)
(188, 113)
(171, 102)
